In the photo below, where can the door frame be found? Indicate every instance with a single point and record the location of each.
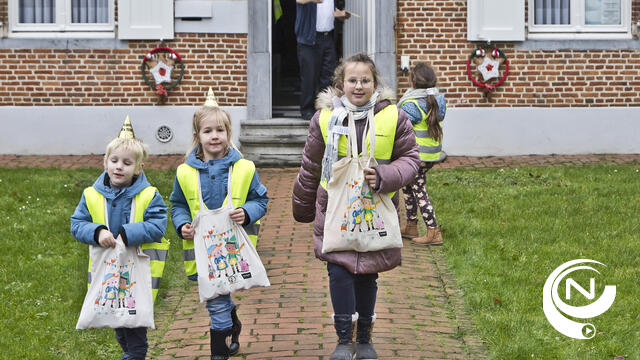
(259, 75)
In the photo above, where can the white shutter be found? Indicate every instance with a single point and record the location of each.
(495, 20)
(145, 19)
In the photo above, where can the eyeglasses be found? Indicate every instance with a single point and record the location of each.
(365, 82)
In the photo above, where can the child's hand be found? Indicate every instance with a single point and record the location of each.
(237, 215)
(188, 232)
(370, 177)
(105, 239)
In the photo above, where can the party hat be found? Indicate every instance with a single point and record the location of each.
(127, 130)
(211, 99)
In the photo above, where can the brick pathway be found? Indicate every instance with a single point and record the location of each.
(420, 311)
(172, 161)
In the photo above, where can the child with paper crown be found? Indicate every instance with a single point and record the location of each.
(211, 155)
(121, 184)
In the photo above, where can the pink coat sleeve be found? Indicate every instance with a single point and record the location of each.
(306, 185)
(405, 159)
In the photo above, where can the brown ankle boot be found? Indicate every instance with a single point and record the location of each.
(410, 230)
(432, 237)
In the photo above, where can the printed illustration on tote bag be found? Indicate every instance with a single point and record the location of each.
(117, 291)
(361, 215)
(224, 256)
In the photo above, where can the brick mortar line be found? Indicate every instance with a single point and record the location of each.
(473, 344)
(156, 337)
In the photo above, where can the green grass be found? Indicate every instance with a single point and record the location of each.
(507, 230)
(43, 268)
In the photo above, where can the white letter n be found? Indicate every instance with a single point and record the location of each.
(589, 295)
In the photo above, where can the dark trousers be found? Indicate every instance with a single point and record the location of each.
(351, 293)
(133, 342)
(317, 63)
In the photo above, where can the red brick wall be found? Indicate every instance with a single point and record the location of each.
(436, 32)
(3, 12)
(112, 76)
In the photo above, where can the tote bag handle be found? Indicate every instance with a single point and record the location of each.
(229, 198)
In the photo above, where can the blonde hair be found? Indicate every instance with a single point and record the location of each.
(203, 113)
(136, 146)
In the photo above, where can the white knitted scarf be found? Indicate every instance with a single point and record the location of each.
(412, 93)
(341, 109)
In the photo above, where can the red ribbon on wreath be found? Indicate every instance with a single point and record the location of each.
(488, 67)
(160, 90)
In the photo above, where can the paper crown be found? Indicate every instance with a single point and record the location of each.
(126, 132)
(211, 99)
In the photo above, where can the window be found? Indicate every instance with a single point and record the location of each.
(60, 18)
(579, 19)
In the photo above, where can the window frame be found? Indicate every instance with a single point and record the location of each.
(577, 29)
(63, 27)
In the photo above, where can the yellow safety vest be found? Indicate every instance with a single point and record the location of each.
(242, 175)
(429, 147)
(386, 121)
(156, 251)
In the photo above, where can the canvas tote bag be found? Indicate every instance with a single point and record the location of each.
(357, 218)
(226, 259)
(120, 294)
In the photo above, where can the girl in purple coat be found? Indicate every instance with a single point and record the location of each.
(352, 275)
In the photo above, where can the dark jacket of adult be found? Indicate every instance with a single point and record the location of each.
(305, 27)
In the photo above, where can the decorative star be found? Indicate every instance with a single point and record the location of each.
(489, 68)
(161, 73)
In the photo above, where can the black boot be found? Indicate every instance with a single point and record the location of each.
(364, 347)
(234, 347)
(219, 348)
(344, 328)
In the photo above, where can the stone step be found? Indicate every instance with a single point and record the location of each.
(275, 160)
(281, 139)
(276, 142)
(274, 127)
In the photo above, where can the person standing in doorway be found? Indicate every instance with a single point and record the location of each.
(316, 48)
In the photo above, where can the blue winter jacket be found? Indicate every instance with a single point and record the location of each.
(152, 229)
(415, 116)
(213, 181)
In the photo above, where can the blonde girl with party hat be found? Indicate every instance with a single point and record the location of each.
(122, 184)
(426, 108)
(352, 275)
(211, 155)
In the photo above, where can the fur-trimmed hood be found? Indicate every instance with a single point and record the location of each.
(325, 97)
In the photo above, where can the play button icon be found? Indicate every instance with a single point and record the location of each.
(588, 331)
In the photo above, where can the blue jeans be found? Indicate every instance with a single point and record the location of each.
(133, 343)
(220, 312)
(351, 293)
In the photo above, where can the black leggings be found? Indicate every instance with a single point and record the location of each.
(351, 293)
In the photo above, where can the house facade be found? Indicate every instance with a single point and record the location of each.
(71, 70)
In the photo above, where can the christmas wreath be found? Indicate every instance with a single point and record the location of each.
(160, 62)
(487, 60)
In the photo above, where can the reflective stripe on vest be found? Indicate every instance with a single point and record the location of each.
(386, 121)
(157, 252)
(429, 147)
(187, 176)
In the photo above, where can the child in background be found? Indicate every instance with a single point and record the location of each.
(352, 275)
(426, 108)
(123, 181)
(211, 155)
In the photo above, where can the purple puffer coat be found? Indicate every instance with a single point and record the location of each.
(310, 199)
